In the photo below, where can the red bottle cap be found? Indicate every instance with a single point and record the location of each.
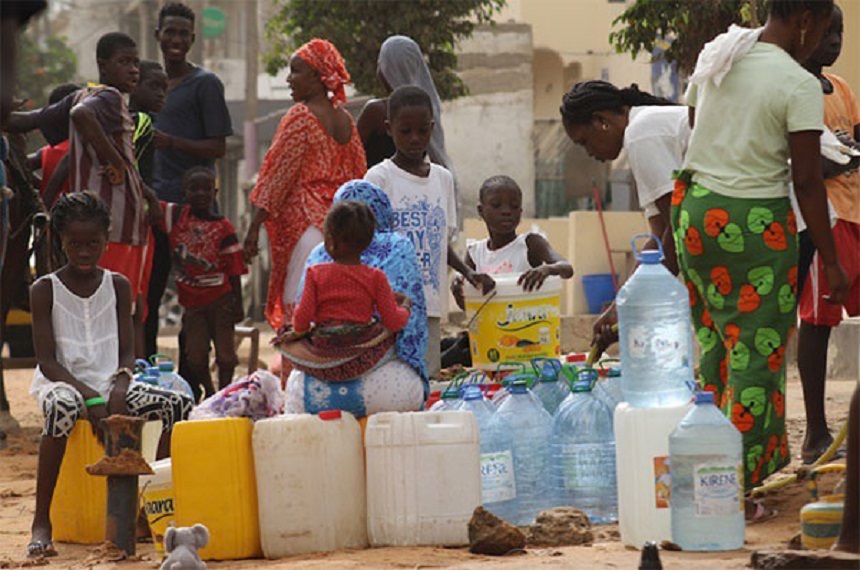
(330, 415)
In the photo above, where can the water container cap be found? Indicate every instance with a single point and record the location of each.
(614, 372)
(449, 394)
(327, 415)
(165, 366)
(650, 257)
(152, 371)
(581, 386)
(519, 387)
(547, 368)
(704, 398)
(472, 393)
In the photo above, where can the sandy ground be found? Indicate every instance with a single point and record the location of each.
(17, 487)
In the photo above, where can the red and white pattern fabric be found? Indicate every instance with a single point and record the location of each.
(327, 61)
(302, 170)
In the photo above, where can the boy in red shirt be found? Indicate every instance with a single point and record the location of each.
(207, 259)
(347, 290)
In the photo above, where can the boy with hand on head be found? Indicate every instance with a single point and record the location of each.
(51, 159)
(422, 195)
(530, 255)
(818, 317)
(207, 258)
(101, 155)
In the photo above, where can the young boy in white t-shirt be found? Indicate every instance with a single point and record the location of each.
(425, 210)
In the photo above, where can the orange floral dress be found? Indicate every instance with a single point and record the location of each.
(302, 170)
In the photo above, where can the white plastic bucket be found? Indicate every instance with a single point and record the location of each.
(642, 468)
(423, 477)
(310, 483)
(512, 325)
(158, 500)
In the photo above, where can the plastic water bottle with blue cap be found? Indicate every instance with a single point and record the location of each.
(583, 455)
(706, 466)
(655, 333)
(519, 436)
(551, 387)
(472, 400)
(171, 380)
(580, 375)
(449, 400)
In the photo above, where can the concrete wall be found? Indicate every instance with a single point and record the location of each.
(489, 132)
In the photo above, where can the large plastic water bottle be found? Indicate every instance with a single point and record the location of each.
(171, 380)
(550, 388)
(608, 389)
(449, 399)
(473, 400)
(521, 423)
(583, 456)
(706, 465)
(654, 331)
(502, 394)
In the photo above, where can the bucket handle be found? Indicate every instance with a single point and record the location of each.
(813, 476)
(637, 253)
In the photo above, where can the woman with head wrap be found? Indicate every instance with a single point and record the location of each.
(316, 149)
(399, 380)
(400, 63)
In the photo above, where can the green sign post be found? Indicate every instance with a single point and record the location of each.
(214, 22)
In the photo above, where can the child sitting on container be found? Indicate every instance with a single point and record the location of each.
(207, 259)
(530, 255)
(334, 334)
(82, 333)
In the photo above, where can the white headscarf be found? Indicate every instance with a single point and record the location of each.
(402, 63)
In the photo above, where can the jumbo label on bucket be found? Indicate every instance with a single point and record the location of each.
(513, 325)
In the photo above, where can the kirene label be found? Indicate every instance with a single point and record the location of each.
(718, 489)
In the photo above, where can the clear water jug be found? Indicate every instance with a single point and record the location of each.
(551, 387)
(523, 423)
(473, 400)
(449, 400)
(608, 388)
(655, 337)
(705, 462)
(583, 456)
(171, 380)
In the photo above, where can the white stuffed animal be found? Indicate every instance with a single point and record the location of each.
(181, 545)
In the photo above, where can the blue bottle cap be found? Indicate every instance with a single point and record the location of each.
(472, 393)
(165, 366)
(152, 371)
(650, 257)
(519, 387)
(581, 386)
(704, 398)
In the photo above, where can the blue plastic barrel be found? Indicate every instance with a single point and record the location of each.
(599, 290)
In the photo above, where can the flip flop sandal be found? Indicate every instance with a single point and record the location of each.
(761, 514)
(39, 549)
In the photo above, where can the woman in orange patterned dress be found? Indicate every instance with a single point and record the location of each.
(316, 149)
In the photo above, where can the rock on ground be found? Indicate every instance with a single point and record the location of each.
(804, 560)
(488, 534)
(560, 526)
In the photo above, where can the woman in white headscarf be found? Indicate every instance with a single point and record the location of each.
(400, 63)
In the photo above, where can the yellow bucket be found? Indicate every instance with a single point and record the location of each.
(158, 501)
(511, 325)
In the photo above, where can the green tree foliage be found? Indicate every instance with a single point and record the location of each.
(690, 24)
(43, 67)
(358, 28)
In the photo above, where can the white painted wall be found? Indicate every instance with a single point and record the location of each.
(490, 134)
